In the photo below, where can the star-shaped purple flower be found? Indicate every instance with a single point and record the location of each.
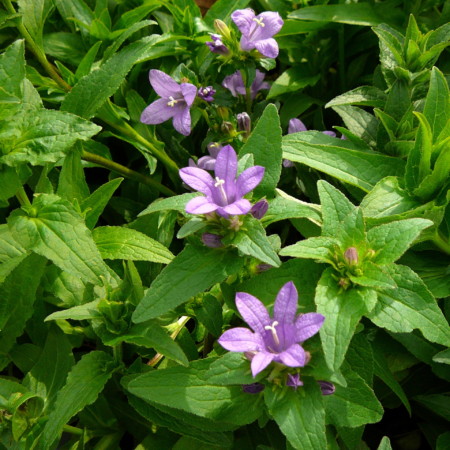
(235, 84)
(274, 339)
(257, 31)
(175, 102)
(224, 193)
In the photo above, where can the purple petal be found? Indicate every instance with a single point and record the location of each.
(329, 133)
(189, 92)
(240, 340)
(285, 308)
(242, 206)
(164, 85)
(243, 18)
(294, 381)
(249, 179)
(267, 47)
(182, 121)
(253, 312)
(272, 24)
(296, 126)
(214, 149)
(235, 84)
(308, 325)
(157, 112)
(197, 179)
(294, 356)
(226, 166)
(206, 162)
(200, 205)
(260, 361)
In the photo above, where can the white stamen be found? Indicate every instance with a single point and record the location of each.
(172, 102)
(273, 331)
(259, 22)
(219, 182)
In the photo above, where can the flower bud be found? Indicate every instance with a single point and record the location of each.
(227, 127)
(263, 267)
(222, 28)
(244, 123)
(212, 240)
(254, 388)
(259, 209)
(217, 46)
(351, 256)
(326, 387)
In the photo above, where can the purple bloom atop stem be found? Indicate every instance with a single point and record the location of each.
(207, 162)
(212, 240)
(235, 84)
(294, 381)
(326, 387)
(254, 388)
(217, 46)
(257, 31)
(175, 102)
(259, 209)
(224, 193)
(274, 339)
(207, 93)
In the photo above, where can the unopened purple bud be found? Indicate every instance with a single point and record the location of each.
(206, 93)
(212, 240)
(287, 163)
(329, 133)
(294, 381)
(254, 388)
(259, 209)
(351, 255)
(326, 387)
(263, 267)
(244, 122)
(344, 137)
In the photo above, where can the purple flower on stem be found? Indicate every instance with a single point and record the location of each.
(175, 102)
(294, 381)
(217, 46)
(224, 193)
(207, 162)
(207, 93)
(274, 339)
(257, 31)
(235, 84)
(326, 387)
(259, 209)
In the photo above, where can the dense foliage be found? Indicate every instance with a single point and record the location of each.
(224, 228)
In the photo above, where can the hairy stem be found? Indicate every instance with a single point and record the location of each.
(22, 196)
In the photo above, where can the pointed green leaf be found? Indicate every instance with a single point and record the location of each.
(320, 248)
(34, 13)
(80, 312)
(442, 357)
(222, 10)
(176, 203)
(126, 243)
(363, 95)
(392, 239)
(373, 276)
(437, 403)
(192, 271)
(209, 313)
(299, 414)
(410, 306)
(385, 444)
(72, 182)
(265, 145)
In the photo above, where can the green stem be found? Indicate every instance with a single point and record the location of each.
(22, 196)
(126, 172)
(73, 430)
(117, 352)
(441, 243)
(341, 56)
(40, 55)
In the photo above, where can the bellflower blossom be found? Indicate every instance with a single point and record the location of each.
(207, 93)
(175, 102)
(257, 31)
(224, 193)
(207, 162)
(274, 339)
(235, 84)
(217, 46)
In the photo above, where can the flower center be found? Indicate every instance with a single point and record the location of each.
(271, 328)
(172, 102)
(219, 184)
(259, 22)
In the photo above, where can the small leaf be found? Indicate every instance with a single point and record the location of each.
(363, 95)
(320, 248)
(177, 203)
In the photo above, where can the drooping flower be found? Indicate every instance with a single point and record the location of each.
(224, 193)
(275, 339)
(257, 31)
(217, 46)
(235, 84)
(175, 102)
(207, 93)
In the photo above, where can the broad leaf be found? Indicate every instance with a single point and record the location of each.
(320, 248)
(177, 203)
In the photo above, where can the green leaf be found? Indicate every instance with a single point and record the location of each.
(340, 159)
(385, 444)
(191, 390)
(292, 80)
(191, 227)
(437, 103)
(320, 248)
(176, 203)
(442, 357)
(410, 306)
(209, 313)
(299, 414)
(54, 229)
(363, 95)
(392, 239)
(283, 206)
(192, 271)
(354, 405)
(419, 159)
(44, 136)
(80, 312)
(373, 276)
(265, 145)
(436, 403)
(94, 205)
(18, 293)
(34, 13)
(251, 240)
(11, 252)
(352, 14)
(343, 310)
(222, 10)
(126, 243)
(49, 374)
(84, 383)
